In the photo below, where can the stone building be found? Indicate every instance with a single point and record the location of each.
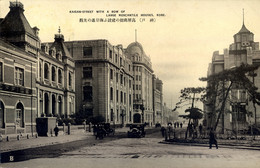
(32, 82)
(55, 80)
(243, 50)
(104, 79)
(142, 84)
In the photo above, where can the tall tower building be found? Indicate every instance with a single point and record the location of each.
(142, 84)
(244, 50)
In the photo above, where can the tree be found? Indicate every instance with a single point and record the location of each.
(220, 86)
(188, 94)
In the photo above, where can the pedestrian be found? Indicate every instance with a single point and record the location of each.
(56, 130)
(181, 124)
(175, 125)
(163, 131)
(200, 129)
(178, 124)
(212, 139)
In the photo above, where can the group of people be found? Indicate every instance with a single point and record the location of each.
(177, 125)
(193, 132)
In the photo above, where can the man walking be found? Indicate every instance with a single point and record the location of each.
(212, 139)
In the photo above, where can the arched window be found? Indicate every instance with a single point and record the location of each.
(59, 76)
(53, 74)
(46, 71)
(19, 115)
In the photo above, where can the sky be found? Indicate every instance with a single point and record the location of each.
(180, 43)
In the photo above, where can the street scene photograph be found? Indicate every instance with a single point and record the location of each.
(133, 83)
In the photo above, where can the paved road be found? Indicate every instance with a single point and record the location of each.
(146, 152)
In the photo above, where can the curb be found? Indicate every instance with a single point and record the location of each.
(234, 146)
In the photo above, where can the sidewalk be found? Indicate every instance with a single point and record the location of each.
(24, 143)
(33, 142)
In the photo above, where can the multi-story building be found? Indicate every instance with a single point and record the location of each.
(243, 50)
(104, 80)
(19, 45)
(142, 84)
(158, 101)
(33, 82)
(55, 80)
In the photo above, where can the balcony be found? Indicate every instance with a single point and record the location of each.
(15, 89)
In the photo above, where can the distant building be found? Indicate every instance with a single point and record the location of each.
(158, 101)
(243, 50)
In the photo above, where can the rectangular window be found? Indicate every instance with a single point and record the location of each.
(121, 63)
(87, 51)
(124, 98)
(19, 76)
(130, 100)
(87, 93)
(121, 79)
(124, 81)
(121, 98)
(139, 77)
(130, 83)
(117, 115)
(116, 95)
(111, 115)
(87, 72)
(111, 93)
(116, 58)
(129, 67)
(136, 87)
(110, 54)
(133, 87)
(116, 77)
(1, 72)
(111, 74)
(130, 116)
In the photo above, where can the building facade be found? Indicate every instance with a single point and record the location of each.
(142, 84)
(104, 79)
(158, 101)
(244, 50)
(19, 45)
(55, 80)
(33, 82)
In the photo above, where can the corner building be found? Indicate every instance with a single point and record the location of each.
(19, 46)
(142, 84)
(243, 50)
